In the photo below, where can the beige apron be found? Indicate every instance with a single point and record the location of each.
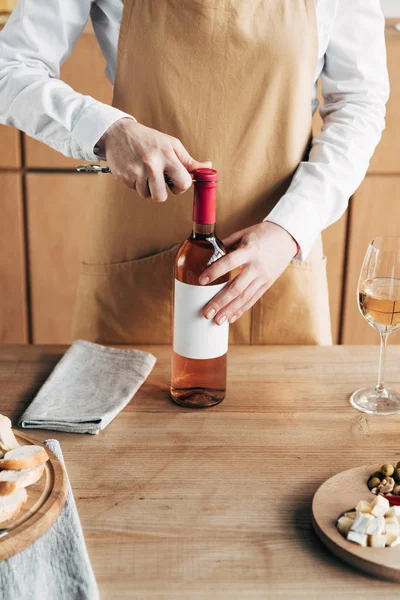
(232, 79)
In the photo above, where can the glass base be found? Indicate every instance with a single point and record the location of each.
(196, 397)
(370, 401)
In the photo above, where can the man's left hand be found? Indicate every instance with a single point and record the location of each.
(263, 252)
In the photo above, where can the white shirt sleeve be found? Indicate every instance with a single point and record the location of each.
(355, 88)
(35, 42)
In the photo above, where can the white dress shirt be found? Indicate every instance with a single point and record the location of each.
(38, 38)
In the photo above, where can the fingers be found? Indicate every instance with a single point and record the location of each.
(234, 313)
(233, 290)
(142, 187)
(224, 265)
(234, 238)
(140, 156)
(231, 311)
(179, 175)
(151, 183)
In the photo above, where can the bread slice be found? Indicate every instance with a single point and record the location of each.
(24, 457)
(15, 480)
(12, 504)
(7, 438)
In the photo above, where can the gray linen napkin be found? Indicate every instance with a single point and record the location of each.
(88, 388)
(57, 565)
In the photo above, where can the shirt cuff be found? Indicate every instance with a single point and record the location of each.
(300, 218)
(91, 125)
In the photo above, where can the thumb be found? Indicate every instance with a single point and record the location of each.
(234, 239)
(195, 164)
(188, 162)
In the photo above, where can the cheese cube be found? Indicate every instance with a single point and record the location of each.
(363, 507)
(392, 528)
(391, 538)
(350, 515)
(394, 511)
(357, 538)
(377, 541)
(380, 506)
(361, 522)
(391, 521)
(395, 542)
(376, 526)
(344, 525)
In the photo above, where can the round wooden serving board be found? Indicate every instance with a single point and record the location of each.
(46, 498)
(338, 495)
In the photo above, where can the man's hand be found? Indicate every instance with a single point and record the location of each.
(263, 253)
(139, 156)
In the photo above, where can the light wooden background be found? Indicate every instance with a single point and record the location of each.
(43, 218)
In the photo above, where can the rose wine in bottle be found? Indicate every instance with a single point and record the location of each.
(200, 346)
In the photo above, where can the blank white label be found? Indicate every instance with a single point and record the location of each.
(194, 335)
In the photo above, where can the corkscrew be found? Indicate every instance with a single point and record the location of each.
(93, 168)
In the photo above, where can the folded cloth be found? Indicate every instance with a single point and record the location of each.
(57, 565)
(88, 388)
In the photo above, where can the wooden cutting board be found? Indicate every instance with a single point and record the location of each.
(46, 499)
(338, 495)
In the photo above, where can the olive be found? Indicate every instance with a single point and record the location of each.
(396, 475)
(398, 465)
(387, 470)
(377, 474)
(373, 483)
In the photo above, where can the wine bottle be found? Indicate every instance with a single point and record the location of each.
(200, 346)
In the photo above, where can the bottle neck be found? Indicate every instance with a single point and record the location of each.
(204, 204)
(200, 230)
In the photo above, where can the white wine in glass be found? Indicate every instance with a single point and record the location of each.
(379, 304)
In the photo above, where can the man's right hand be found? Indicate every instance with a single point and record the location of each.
(139, 156)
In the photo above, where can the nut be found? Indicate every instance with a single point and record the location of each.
(386, 485)
(373, 483)
(387, 470)
(396, 490)
(374, 491)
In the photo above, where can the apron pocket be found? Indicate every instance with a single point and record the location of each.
(128, 302)
(295, 310)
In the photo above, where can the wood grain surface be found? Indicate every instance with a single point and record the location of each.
(57, 214)
(216, 504)
(13, 301)
(10, 148)
(339, 494)
(46, 499)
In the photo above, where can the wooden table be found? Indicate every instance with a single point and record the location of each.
(215, 504)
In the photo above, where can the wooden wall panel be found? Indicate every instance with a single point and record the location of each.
(57, 209)
(10, 151)
(13, 304)
(386, 158)
(334, 239)
(374, 212)
(84, 72)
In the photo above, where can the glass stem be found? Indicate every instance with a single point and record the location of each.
(380, 386)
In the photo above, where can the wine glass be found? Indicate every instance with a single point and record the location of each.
(379, 304)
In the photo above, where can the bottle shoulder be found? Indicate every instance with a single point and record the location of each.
(195, 255)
